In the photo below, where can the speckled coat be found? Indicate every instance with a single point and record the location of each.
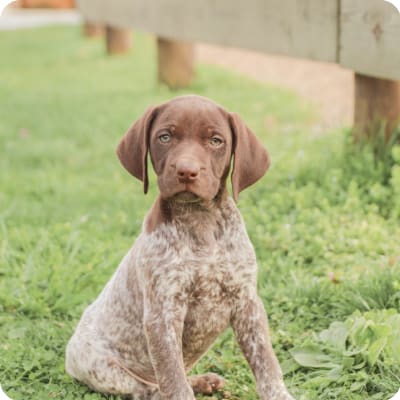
(191, 273)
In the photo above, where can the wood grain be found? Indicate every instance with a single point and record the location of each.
(118, 40)
(306, 28)
(376, 100)
(370, 38)
(175, 63)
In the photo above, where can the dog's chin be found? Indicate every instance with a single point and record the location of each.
(186, 197)
(187, 194)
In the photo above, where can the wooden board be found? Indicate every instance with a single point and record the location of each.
(370, 38)
(301, 28)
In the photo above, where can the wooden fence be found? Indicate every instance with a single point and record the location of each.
(363, 35)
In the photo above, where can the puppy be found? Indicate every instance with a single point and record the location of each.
(191, 273)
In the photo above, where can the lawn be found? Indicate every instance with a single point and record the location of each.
(325, 221)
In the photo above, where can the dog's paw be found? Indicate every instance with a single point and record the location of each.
(207, 383)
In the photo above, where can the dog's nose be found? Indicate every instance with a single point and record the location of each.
(187, 170)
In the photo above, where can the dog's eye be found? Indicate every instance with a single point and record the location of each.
(216, 141)
(164, 138)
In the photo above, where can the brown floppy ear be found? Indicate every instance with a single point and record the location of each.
(133, 148)
(250, 158)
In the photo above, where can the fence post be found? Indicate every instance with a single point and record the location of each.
(175, 62)
(92, 30)
(118, 40)
(375, 100)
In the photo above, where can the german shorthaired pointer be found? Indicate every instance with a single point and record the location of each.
(192, 271)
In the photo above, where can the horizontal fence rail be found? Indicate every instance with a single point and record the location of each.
(370, 38)
(363, 35)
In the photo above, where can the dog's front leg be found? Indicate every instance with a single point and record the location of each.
(250, 324)
(163, 328)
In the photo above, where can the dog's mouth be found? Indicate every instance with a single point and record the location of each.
(186, 197)
(185, 193)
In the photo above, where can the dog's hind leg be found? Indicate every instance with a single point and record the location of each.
(102, 372)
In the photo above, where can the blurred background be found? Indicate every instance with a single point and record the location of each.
(308, 79)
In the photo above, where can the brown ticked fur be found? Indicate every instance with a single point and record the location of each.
(191, 273)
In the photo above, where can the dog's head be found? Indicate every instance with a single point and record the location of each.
(191, 142)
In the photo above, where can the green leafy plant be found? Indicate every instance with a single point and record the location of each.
(381, 146)
(348, 351)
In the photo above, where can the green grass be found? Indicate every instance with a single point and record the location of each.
(324, 224)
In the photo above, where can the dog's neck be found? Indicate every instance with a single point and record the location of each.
(193, 217)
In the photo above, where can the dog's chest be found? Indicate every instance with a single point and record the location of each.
(217, 284)
(213, 293)
(201, 267)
